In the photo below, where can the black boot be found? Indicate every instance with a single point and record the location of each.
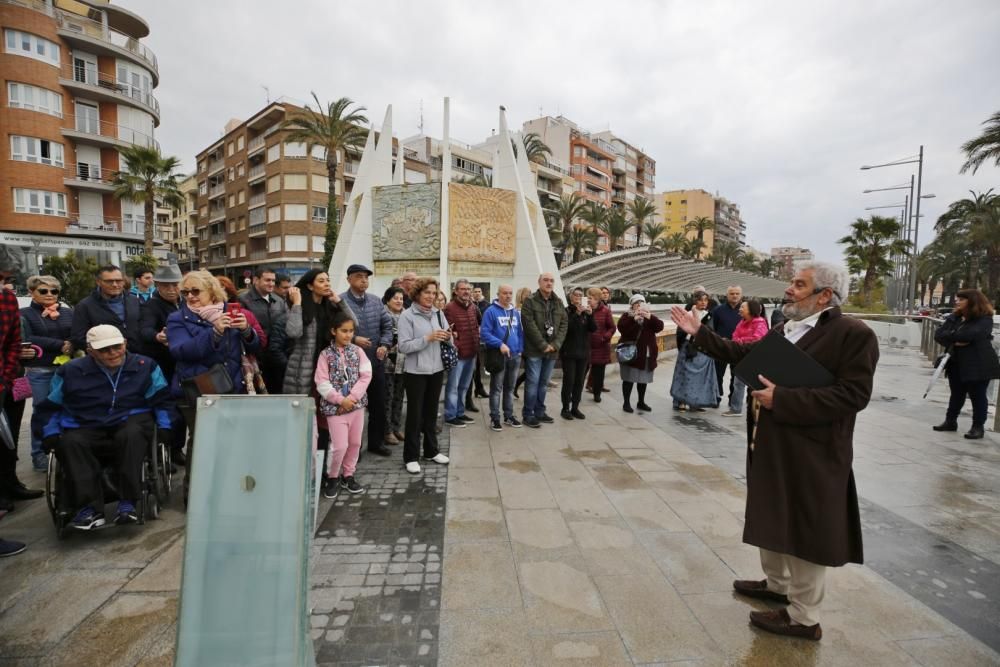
(946, 426)
(565, 414)
(627, 407)
(975, 433)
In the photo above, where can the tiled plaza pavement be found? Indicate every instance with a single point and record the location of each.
(614, 541)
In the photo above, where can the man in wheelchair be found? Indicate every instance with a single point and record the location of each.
(104, 404)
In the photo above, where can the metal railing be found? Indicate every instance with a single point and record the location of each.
(90, 77)
(105, 223)
(83, 171)
(102, 128)
(257, 199)
(258, 254)
(96, 30)
(217, 190)
(255, 143)
(255, 172)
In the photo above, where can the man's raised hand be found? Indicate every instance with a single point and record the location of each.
(686, 320)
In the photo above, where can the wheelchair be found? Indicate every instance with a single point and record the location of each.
(155, 482)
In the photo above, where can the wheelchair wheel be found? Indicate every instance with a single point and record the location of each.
(145, 494)
(53, 486)
(161, 474)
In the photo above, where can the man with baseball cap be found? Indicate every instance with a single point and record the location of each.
(105, 403)
(373, 334)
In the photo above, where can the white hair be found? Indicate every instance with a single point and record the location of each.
(829, 275)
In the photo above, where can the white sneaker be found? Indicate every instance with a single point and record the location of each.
(413, 468)
(439, 458)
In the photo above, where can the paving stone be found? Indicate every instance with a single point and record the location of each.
(484, 637)
(590, 649)
(479, 576)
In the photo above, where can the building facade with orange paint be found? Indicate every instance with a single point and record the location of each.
(77, 87)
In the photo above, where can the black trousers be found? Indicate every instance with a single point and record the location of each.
(597, 378)
(423, 393)
(720, 373)
(574, 373)
(376, 406)
(976, 391)
(8, 457)
(126, 444)
(273, 372)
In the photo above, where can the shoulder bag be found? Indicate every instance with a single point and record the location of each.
(495, 360)
(449, 355)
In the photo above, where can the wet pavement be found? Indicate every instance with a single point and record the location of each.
(609, 541)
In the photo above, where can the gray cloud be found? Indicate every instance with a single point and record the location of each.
(774, 107)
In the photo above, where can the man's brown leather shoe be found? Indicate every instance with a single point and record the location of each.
(759, 590)
(778, 622)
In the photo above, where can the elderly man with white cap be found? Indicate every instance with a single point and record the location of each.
(105, 403)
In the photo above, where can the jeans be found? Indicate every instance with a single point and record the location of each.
(737, 394)
(574, 371)
(39, 379)
(459, 379)
(975, 391)
(502, 385)
(537, 371)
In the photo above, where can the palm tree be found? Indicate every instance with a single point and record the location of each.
(767, 267)
(147, 178)
(641, 210)
(653, 231)
(614, 225)
(977, 220)
(567, 210)
(692, 248)
(535, 149)
(984, 147)
(870, 245)
(675, 243)
(726, 253)
(582, 238)
(700, 225)
(336, 129)
(745, 262)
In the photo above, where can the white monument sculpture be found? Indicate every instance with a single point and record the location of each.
(494, 235)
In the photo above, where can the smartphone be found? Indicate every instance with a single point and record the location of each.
(233, 309)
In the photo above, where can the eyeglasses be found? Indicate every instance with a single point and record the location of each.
(194, 291)
(45, 291)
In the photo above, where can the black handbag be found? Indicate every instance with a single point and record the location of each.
(495, 360)
(216, 380)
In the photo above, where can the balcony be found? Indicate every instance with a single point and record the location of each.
(257, 230)
(216, 239)
(257, 200)
(255, 173)
(89, 222)
(217, 215)
(217, 191)
(258, 254)
(255, 145)
(93, 132)
(95, 37)
(216, 166)
(88, 83)
(89, 177)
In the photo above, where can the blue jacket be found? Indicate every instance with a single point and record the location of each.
(193, 343)
(494, 328)
(84, 394)
(725, 318)
(93, 310)
(372, 322)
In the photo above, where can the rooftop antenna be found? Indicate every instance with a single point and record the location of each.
(421, 125)
(267, 93)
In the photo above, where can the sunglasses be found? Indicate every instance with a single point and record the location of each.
(45, 291)
(194, 291)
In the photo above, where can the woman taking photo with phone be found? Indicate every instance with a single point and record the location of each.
(314, 304)
(967, 335)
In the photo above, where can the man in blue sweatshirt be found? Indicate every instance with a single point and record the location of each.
(501, 330)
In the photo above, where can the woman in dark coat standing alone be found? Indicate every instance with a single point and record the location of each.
(575, 353)
(967, 334)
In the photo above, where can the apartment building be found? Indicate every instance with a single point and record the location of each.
(677, 208)
(77, 88)
(729, 224)
(787, 256)
(184, 223)
(262, 200)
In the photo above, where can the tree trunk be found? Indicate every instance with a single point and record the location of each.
(867, 286)
(332, 213)
(150, 213)
(993, 275)
(931, 286)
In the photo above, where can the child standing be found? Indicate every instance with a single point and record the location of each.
(343, 373)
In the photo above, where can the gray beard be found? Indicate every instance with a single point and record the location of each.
(798, 311)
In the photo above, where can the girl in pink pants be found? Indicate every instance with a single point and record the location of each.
(343, 373)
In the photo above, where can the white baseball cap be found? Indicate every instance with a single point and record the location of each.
(104, 335)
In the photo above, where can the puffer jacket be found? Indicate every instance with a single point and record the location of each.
(600, 339)
(372, 322)
(465, 326)
(422, 358)
(46, 333)
(302, 360)
(195, 347)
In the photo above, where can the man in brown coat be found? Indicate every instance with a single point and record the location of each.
(802, 505)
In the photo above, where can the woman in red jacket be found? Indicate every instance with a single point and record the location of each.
(600, 341)
(752, 327)
(638, 326)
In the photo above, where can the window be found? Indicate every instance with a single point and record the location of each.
(273, 152)
(274, 244)
(232, 200)
(319, 214)
(274, 214)
(31, 46)
(239, 146)
(135, 82)
(240, 170)
(295, 181)
(23, 96)
(243, 223)
(297, 243)
(243, 250)
(295, 212)
(257, 216)
(319, 153)
(320, 183)
(232, 225)
(232, 252)
(319, 243)
(40, 202)
(232, 174)
(230, 148)
(242, 197)
(30, 149)
(274, 183)
(203, 188)
(295, 149)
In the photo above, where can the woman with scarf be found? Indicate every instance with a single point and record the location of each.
(639, 327)
(393, 300)
(694, 385)
(47, 325)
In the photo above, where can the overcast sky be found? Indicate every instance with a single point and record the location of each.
(775, 109)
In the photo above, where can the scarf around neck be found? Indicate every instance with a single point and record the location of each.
(210, 313)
